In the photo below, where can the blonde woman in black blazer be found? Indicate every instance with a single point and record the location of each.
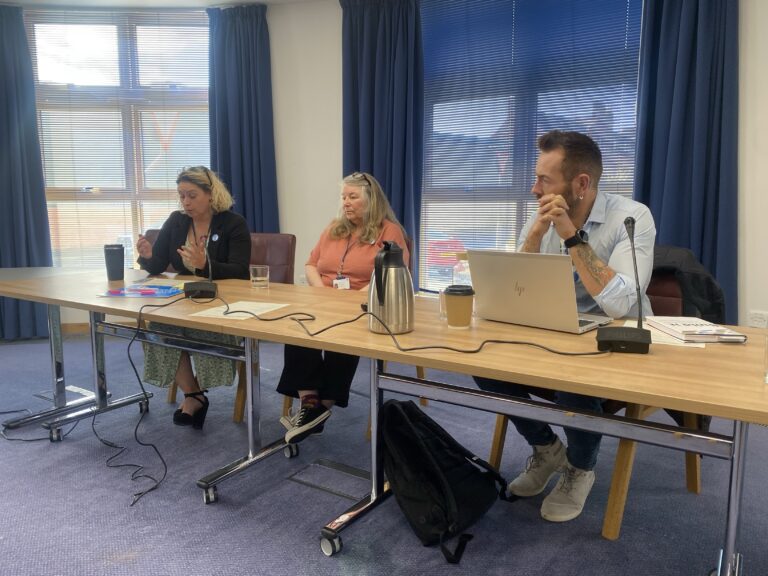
(207, 239)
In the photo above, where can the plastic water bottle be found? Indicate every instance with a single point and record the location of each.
(461, 273)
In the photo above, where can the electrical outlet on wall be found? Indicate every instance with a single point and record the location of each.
(757, 319)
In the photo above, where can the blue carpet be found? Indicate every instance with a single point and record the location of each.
(65, 513)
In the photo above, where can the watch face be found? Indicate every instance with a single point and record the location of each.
(580, 237)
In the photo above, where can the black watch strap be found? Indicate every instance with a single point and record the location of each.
(580, 237)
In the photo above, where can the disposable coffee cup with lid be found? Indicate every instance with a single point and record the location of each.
(459, 302)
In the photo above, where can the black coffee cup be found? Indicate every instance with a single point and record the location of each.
(114, 256)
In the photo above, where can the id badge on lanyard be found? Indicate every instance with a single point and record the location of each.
(341, 282)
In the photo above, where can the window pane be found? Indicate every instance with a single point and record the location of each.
(172, 139)
(173, 56)
(79, 231)
(82, 148)
(497, 74)
(156, 212)
(122, 106)
(81, 55)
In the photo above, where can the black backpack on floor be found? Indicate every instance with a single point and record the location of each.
(441, 487)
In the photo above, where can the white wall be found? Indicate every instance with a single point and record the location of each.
(305, 40)
(753, 151)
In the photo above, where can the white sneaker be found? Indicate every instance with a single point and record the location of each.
(541, 466)
(289, 421)
(566, 501)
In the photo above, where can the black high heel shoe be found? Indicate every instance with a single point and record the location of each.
(197, 419)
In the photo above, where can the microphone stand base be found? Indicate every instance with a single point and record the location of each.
(623, 339)
(200, 289)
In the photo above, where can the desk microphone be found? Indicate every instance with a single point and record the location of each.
(625, 338)
(202, 288)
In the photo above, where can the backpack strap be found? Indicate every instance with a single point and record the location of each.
(455, 556)
(471, 456)
(500, 480)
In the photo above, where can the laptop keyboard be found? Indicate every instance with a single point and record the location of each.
(583, 322)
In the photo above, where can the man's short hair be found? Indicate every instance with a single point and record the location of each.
(581, 154)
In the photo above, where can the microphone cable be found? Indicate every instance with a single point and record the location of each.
(138, 472)
(307, 317)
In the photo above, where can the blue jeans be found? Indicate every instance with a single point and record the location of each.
(582, 446)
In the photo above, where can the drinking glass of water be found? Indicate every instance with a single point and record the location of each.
(259, 276)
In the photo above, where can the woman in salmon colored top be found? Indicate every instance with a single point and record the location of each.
(342, 259)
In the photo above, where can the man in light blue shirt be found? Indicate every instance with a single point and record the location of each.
(575, 218)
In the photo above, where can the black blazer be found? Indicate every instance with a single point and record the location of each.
(229, 247)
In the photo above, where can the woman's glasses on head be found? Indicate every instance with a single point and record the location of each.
(362, 176)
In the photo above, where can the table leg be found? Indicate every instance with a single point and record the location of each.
(256, 453)
(730, 561)
(60, 404)
(100, 402)
(330, 541)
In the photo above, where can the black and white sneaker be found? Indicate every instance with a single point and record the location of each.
(289, 421)
(311, 420)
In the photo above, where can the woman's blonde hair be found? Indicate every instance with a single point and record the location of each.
(207, 180)
(377, 209)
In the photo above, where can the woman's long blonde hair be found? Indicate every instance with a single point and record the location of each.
(208, 181)
(377, 209)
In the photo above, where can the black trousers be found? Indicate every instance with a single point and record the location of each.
(330, 373)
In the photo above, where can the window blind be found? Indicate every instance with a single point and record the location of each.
(497, 74)
(122, 100)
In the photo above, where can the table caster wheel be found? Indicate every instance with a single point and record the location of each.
(210, 495)
(143, 407)
(291, 450)
(330, 546)
(54, 435)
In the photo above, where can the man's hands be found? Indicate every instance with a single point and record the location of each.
(553, 211)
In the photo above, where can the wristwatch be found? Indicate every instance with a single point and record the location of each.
(580, 237)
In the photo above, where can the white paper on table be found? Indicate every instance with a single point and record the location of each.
(659, 337)
(257, 308)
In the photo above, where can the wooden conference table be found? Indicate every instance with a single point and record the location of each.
(725, 381)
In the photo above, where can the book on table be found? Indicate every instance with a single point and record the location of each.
(692, 329)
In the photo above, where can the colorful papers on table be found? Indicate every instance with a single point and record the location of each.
(143, 290)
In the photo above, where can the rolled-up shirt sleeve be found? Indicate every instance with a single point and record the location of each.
(619, 297)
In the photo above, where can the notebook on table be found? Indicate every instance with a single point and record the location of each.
(530, 289)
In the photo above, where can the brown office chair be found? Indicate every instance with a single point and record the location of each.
(279, 252)
(666, 298)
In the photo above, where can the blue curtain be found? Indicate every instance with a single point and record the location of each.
(383, 85)
(240, 104)
(24, 235)
(687, 131)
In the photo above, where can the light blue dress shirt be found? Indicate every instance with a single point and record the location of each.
(609, 239)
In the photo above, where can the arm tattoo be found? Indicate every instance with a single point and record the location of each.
(597, 269)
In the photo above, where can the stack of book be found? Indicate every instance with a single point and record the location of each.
(691, 329)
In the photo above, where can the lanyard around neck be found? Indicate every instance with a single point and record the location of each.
(344, 256)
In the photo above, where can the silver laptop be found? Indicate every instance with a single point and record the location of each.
(530, 289)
